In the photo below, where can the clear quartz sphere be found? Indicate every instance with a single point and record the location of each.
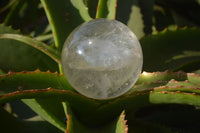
(102, 59)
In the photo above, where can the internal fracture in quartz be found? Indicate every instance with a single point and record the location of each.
(102, 59)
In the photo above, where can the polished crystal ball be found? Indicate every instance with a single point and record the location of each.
(102, 59)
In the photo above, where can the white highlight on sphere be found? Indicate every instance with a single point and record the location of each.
(102, 59)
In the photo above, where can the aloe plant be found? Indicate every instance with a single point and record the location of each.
(31, 71)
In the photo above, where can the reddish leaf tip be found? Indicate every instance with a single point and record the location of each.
(193, 74)
(10, 72)
(124, 121)
(68, 123)
(55, 72)
(37, 70)
(47, 71)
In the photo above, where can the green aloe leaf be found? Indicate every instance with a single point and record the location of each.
(138, 96)
(140, 99)
(55, 55)
(162, 49)
(32, 80)
(47, 102)
(151, 89)
(137, 15)
(64, 16)
(112, 5)
(106, 9)
(147, 77)
(83, 10)
(23, 85)
(44, 37)
(121, 126)
(177, 96)
(102, 9)
(75, 126)
(49, 109)
(23, 126)
(130, 14)
(12, 52)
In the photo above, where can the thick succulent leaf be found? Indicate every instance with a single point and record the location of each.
(31, 125)
(106, 9)
(137, 15)
(75, 126)
(168, 81)
(49, 109)
(162, 49)
(44, 37)
(130, 14)
(151, 88)
(112, 5)
(156, 79)
(83, 10)
(121, 126)
(12, 55)
(179, 95)
(140, 99)
(31, 80)
(55, 55)
(138, 96)
(47, 102)
(23, 85)
(64, 16)
(102, 9)
(147, 77)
